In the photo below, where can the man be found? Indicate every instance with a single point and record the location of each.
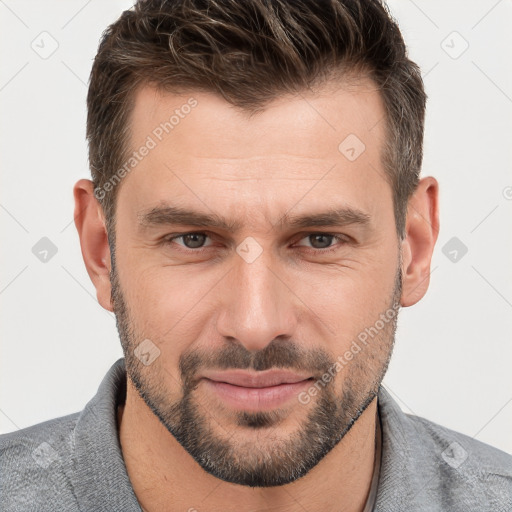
(255, 221)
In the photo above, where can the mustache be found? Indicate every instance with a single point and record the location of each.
(277, 354)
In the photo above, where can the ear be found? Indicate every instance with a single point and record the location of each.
(422, 228)
(90, 224)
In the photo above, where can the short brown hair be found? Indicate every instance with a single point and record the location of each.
(250, 52)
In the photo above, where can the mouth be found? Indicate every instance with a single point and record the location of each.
(256, 391)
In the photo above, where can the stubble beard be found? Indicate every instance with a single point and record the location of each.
(271, 460)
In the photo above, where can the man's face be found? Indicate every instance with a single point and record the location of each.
(260, 293)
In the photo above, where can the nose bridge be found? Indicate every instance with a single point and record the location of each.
(257, 305)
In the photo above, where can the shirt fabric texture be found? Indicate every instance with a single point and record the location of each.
(75, 463)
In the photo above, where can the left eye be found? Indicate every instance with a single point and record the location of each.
(317, 239)
(196, 240)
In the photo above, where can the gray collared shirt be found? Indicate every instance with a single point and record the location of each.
(75, 463)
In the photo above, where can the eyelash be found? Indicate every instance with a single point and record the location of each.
(340, 238)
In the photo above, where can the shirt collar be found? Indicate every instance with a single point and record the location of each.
(101, 482)
(99, 479)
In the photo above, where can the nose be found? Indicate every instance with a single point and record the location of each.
(257, 305)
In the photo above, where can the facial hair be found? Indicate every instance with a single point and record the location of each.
(249, 463)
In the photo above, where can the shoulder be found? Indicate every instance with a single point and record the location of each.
(458, 450)
(443, 469)
(35, 463)
(468, 471)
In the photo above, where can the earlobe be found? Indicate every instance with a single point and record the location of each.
(91, 229)
(422, 229)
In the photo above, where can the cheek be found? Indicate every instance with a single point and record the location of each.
(165, 304)
(349, 301)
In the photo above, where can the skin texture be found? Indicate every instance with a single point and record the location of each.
(295, 306)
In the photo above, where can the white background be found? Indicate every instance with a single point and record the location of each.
(452, 361)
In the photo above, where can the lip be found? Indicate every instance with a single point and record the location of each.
(256, 391)
(264, 379)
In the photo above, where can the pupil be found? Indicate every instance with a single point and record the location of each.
(315, 237)
(195, 243)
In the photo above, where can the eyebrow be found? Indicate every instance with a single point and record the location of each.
(167, 215)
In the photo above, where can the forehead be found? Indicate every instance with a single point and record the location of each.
(309, 124)
(205, 152)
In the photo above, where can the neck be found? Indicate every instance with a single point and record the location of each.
(166, 478)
